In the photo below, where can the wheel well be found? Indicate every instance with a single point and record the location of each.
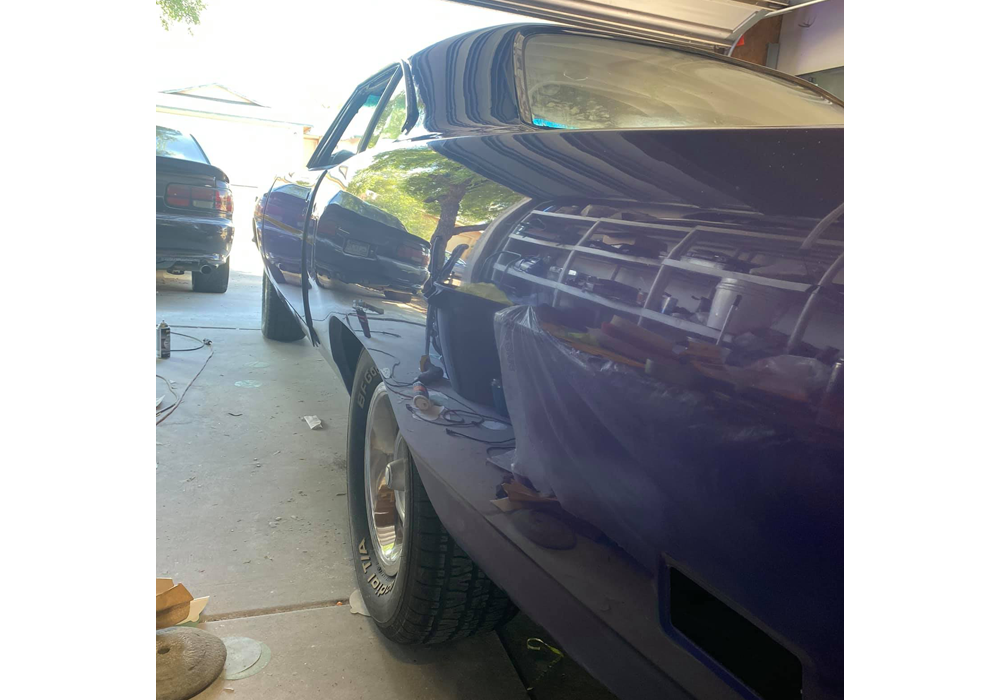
(346, 350)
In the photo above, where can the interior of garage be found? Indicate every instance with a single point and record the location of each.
(252, 538)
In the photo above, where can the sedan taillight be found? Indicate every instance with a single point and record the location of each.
(205, 198)
(418, 256)
(224, 201)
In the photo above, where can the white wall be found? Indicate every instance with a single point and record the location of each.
(249, 153)
(817, 47)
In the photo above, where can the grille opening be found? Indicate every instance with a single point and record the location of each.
(747, 652)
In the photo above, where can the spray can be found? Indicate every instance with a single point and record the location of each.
(421, 399)
(163, 340)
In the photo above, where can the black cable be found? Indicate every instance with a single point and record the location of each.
(399, 393)
(171, 409)
(478, 418)
(171, 390)
(399, 385)
(392, 373)
(472, 410)
(388, 320)
(453, 433)
(347, 317)
(184, 335)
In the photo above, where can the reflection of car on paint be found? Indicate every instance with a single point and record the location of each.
(194, 210)
(639, 351)
(372, 248)
(285, 203)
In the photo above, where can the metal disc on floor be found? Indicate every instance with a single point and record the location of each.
(543, 529)
(241, 654)
(188, 660)
(245, 657)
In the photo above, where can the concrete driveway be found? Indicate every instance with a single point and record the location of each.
(251, 511)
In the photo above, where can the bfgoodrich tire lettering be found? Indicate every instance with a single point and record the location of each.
(438, 594)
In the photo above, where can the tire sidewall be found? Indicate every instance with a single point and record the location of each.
(382, 593)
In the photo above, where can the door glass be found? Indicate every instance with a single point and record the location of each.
(391, 121)
(350, 139)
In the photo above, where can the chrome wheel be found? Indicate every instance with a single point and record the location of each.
(387, 461)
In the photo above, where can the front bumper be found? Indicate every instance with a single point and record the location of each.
(190, 242)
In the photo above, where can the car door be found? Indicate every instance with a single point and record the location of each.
(353, 246)
(283, 223)
(330, 254)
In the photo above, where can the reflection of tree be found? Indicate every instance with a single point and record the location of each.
(164, 137)
(419, 185)
(565, 104)
(390, 124)
(594, 107)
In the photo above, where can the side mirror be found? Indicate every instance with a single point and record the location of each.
(339, 157)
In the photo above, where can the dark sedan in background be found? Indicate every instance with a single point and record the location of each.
(194, 212)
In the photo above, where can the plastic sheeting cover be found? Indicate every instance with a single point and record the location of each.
(736, 495)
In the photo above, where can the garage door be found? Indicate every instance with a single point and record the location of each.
(710, 24)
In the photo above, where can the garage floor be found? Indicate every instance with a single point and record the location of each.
(251, 512)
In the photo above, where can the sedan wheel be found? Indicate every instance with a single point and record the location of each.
(417, 583)
(387, 461)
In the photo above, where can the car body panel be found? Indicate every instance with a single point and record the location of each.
(765, 541)
(279, 229)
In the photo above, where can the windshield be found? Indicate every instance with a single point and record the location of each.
(173, 144)
(578, 82)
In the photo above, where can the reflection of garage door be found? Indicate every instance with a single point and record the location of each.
(706, 23)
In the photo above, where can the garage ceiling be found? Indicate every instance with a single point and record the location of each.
(707, 23)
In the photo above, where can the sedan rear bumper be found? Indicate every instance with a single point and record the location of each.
(190, 242)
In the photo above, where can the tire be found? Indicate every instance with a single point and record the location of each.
(216, 282)
(404, 297)
(277, 321)
(436, 593)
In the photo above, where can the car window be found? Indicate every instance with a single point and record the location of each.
(171, 143)
(576, 82)
(366, 103)
(390, 122)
